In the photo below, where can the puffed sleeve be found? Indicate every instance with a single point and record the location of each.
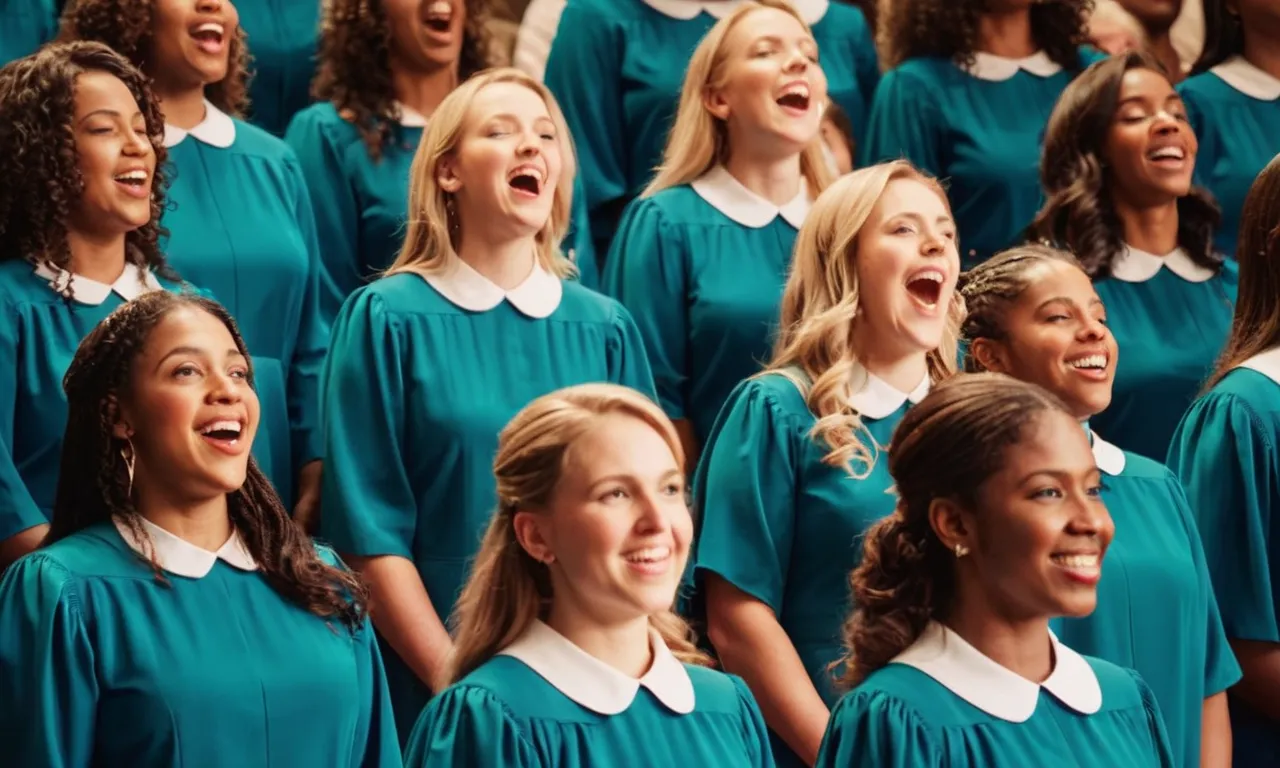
(18, 510)
(745, 491)
(1155, 723)
(468, 726)
(367, 502)
(646, 272)
(755, 733)
(1224, 457)
(905, 122)
(627, 363)
(871, 728)
(333, 198)
(313, 338)
(48, 688)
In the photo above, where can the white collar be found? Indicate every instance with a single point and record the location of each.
(988, 66)
(875, 398)
(1266, 363)
(1137, 266)
(132, 283)
(596, 685)
(810, 10)
(410, 117)
(217, 129)
(728, 196)
(966, 672)
(1238, 73)
(538, 296)
(1108, 457)
(183, 558)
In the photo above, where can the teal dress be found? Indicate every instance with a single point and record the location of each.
(28, 24)
(1150, 300)
(942, 704)
(421, 377)
(617, 66)
(1225, 453)
(544, 702)
(39, 334)
(1175, 642)
(103, 664)
(1235, 111)
(283, 38)
(782, 526)
(980, 130)
(241, 225)
(702, 267)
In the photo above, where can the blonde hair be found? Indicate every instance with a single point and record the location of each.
(699, 141)
(820, 307)
(434, 231)
(1110, 11)
(508, 588)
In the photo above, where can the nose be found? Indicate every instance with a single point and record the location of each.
(224, 389)
(1166, 124)
(1091, 519)
(651, 513)
(530, 144)
(797, 63)
(1093, 329)
(139, 144)
(208, 6)
(934, 244)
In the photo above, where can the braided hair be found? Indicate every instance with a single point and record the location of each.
(95, 382)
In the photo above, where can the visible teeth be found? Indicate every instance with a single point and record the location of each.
(440, 9)
(527, 170)
(1174, 153)
(650, 555)
(211, 27)
(1090, 361)
(796, 89)
(138, 175)
(929, 274)
(1077, 561)
(221, 426)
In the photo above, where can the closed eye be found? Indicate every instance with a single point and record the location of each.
(1047, 493)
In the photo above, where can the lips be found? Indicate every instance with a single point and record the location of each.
(795, 97)
(1092, 365)
(1083, 567)
(223, 434)
(527, 180)
(438, 16)
(210, 37)
(135, 182)
(924, 286)
(649, 561)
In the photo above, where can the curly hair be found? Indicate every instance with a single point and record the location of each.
(1079, 213)
(910, 29)
(1223, 36)
(355, 63)
(97, 378)
(126, 26)
(39, 162)
(947, 447)
(990, 288)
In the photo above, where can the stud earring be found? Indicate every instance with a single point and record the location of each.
(127, 454)
(961, 551)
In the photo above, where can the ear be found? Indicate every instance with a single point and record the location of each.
(447, 175)
(120, 427)
(531, 536)
(715, 104)
(991, 355)
(952, 524)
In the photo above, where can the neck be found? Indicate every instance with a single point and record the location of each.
(1153, 229)
(1161, 46)
(1261, 51)
(99, 258)
(624, 646)
(505, 263)
(776, 180)
(1007, 34)
(183, 108)
(1020, 646)
(903, 372)
(423, 90)
(205, 523)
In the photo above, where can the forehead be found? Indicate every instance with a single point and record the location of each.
(765, 22)
(619, 444)
(507, 99)
(910, 196)
(1056, 278)
(188, 326)
(97, 90)
(1051, 442)
(1144, 82)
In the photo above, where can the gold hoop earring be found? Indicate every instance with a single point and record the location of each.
(130, 459)
(961, 551)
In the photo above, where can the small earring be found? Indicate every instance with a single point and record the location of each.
(961, 551)
(130, 458)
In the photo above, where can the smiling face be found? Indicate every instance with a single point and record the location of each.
(426, 34)
(907, 265)
(189, 412)
(506, 167)
(191, 41)
(114, 155)
(1150, 146)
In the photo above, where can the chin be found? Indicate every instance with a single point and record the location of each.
(1079, 607)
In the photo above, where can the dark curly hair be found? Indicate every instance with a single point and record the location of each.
(1079, 213)
(99, 374)
(38, 159)
(947, 447)
(355, 63)
(1223, 36)
(125, 25)
(910, 29)
(990, 288)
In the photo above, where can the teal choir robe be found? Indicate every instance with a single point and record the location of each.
(28, 24)
(284, 36)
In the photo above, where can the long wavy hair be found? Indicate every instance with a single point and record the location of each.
(947, 447)
(913, 29)
(39, 161)
(1255, 327)
(93, 481)
(698, 140)
(126, 26)
(1223, 36)
(354, 70)
(820, 313)
(1079, 213)
(434, 231)
(509, 589)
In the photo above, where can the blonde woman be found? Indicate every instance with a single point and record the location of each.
(567, 650)
(473, 320)
(701, 257)
(792, 474)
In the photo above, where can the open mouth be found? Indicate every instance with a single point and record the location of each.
(136, 179)
(439, 16)
(1082, 567)
(925, 288)
(527, 181)
(223, 434)
(795, 97)
(1170, 156)
(209, 37)
(1093, 365)
(651, 561)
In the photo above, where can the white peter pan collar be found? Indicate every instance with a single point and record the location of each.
(988, 66)
(810, 10)
(1109, 457)
(1238, 73)
(1137, 266)
(410, 117)
(183, 558)
(217, 129)
(1266, 363)
(537, 297)
(876, 398)
(966, 672)
(728, 196)
(132, 283)
(596, 685)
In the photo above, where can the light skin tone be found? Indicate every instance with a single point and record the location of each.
(426, 41)
(190, 377)
(615, 536)
(1260, 20)
(1005, 29)
(909, 231)
(1035, 549)
(1112, 30)
(838, 144)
